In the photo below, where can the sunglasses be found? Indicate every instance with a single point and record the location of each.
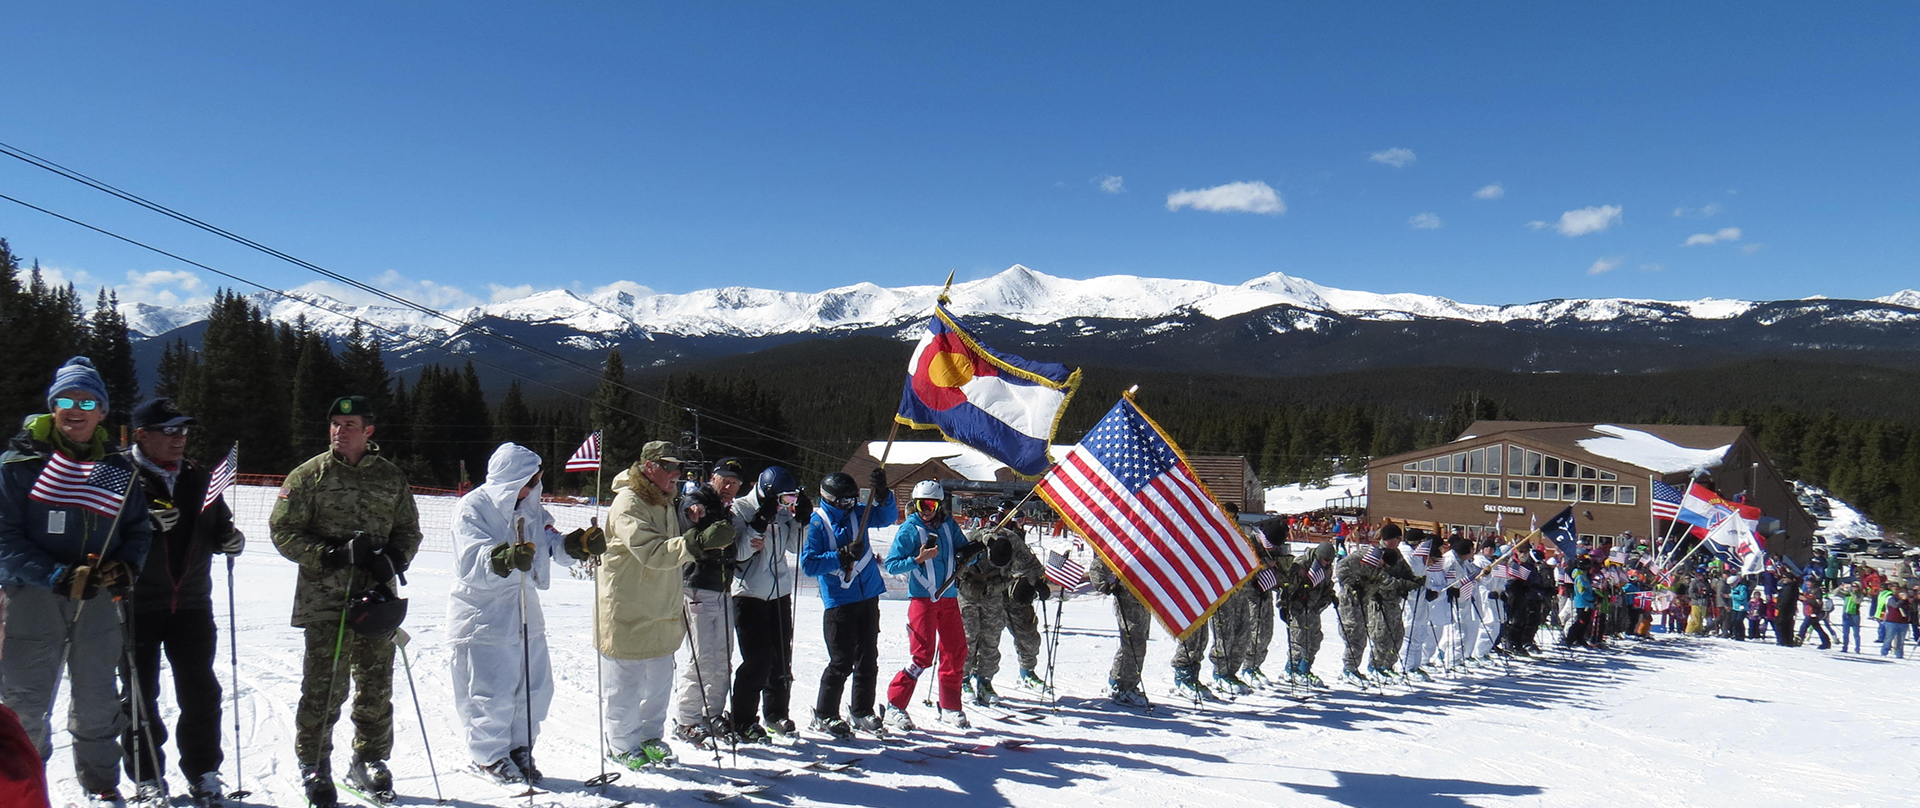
(64, 403)
(169, 431)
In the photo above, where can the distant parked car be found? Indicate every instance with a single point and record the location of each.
(1856, 545)
(1887, 548)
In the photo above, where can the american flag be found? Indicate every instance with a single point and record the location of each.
(1316, 572)
(1513, 571)
(587, 457)
(1372, 557)
(1420, 552)
(1468, 585)
(1127, 489)
(1266, 579)
(1065, 573)
(222, 477)
(1666, 501)
(98, 487)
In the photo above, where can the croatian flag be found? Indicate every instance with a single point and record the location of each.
(1000, 404)
(1127, 488)
(587, 457)
(1698, 507)
(1666, 501)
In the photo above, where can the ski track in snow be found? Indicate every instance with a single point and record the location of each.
(1673, 721)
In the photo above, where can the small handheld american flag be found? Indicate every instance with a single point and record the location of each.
(222, 477)
(1372, 557)
(1064, 573)
(96, 486)
(587, 457)
(1316, 572)
(1265, 579)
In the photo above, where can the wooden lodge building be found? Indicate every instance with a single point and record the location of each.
(1522, 473)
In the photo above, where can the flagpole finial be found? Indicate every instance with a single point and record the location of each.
(1131, 391)
(945, 287)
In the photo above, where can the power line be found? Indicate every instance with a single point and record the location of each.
(511, 341)
(397, 335)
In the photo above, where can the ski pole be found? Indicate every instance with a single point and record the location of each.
(142, 729)
(526, 663)
(400, 638)
(605, 778)
(699, 681)
(233, 646)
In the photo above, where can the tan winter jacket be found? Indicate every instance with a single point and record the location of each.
(640, 598)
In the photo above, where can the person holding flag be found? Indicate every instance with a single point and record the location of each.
(989, 604)
(173, 605)
(73, 529)
(927, 550)
(839, 555)
(1360, 574)
(1306, 590)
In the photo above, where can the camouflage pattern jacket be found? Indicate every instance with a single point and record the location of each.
(322, 503)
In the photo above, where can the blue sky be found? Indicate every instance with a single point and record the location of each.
(463, 151)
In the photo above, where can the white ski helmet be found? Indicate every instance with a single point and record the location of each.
(928, 489)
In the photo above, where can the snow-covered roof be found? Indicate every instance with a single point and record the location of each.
(1302, 497)
(1649, 451)
(969, 463)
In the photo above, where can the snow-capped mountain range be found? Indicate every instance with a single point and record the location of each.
(1018, 293)
(1274, 325)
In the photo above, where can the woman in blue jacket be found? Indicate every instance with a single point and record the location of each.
(850, 585)
(1737, 597)
(927, 550)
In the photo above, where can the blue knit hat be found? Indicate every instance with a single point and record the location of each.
(78, 374)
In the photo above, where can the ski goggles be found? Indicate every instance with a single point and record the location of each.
(790, 500)
(64, 403)
(843, 503)
(926, 505)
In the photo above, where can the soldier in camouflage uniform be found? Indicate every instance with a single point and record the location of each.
(347, 517)
(1260, 610)
(988, 604)
(1232, 628)
(1303, 600)
(1134, 623)
(1384, 607)
(1359, 576)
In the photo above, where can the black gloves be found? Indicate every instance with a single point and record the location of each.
(967, 551)
(850, 554)
(234, 543)
(585, 542)
(1041, 590)
(878, 480)
(356, 550)
(1499, 596)
(86, 580)
(709, 501)
(1023, 592)
(165, 518)
(507, 556)
(1432, 596)
(769, 507)
(1453, 594)
(802, 507)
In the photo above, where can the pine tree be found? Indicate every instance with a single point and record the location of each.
(515, 421)
(365, 372)
(613, 413)
(317, 381)
(112, 353)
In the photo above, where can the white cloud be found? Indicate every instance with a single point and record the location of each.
(1653, 267)
(428, 293)
(159, 287)
(1585, 220)
(1233, 197)
(1111, 183)
(1723, 234)
(1701, 212)
(1749, 249)
(1494, 191)
(1424, 221)
(501, 294)
(1536, 225)
(83, 281)
(1604, 266)
(1396, 157)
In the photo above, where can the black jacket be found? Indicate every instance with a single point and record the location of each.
(178, 574)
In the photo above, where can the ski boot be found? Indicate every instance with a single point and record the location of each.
(1419, 673)
(956, 719)
(1031, 681)
(780, 729)
(149, 792)
(372, 778)
(1230, 684)
(1354, 677)
(109, 798)
(898, 719)
(983, 694)
(522, 757)
(693, 735)
(1253, 676)
(1186, 683)
(1313, 680)
(317, 783)
(207, 791)
(870, 724)
(1130, 697)
(833, 726)
(503, 772)
(753, 733)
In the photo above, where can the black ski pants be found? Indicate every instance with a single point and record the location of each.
(190, 643)
(853, 648)
(763, 683)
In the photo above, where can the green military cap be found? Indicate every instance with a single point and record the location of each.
(658, 451)
(351, 405)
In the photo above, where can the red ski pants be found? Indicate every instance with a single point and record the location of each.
(932, 625)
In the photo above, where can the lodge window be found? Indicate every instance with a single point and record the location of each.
(1553, 467)
(1533, 490)
(1627, 495)
(1426, 484)
(1569, 470)
(1440, 485)
(1493, 486)
(1443, 463)
(1608, 475)
(1427, 464)
(1475, 486)
(1588, 473)
(1516, 461)
(1460, 461)
(1410, 467)
(1569, 491)
(1514, 489)
(1550, 491)
(1606, 495)
(1393, 482)
(1588, 493)
(1460, 485)
(1477, 461)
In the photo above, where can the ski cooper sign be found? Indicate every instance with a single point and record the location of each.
(1492, 508)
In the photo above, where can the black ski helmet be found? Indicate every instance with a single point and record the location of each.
(839, 486)
(375, 612)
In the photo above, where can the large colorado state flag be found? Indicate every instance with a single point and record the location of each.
(1002, 405)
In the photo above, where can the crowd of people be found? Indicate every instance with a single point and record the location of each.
(106, 556)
